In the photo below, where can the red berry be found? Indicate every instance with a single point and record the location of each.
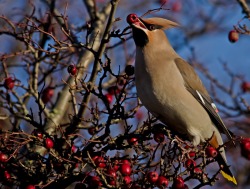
(163, 2)
(3, 157)
(95, 158)
(177, 6)
(133, 141)
(125, 169)
(233, 36)
(111, 173)
(47, 94)
(127, 180)
(37, 133)
(130, 70)
(152, 177)
(245, 148)
(72, 69)
(178, 183)
(116, 165)
(162, 182)
(131, 18)
(99, 161)
(9, 83)
(211, 152)
(190, 164)
(113, 90)
(30, 186)
(125, 161)
(159, 137)
(191, 153)
(95, 181)
(102, 165)
(109, 97)
(245, 144)
(74, 149)
(92, 130)
(77, 165)
(7, 175)
(197, 170)
(245, 86)
(40, 135)
(139, 115)
(49, 143)
(112, 182)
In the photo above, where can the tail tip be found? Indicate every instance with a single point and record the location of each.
(229, 177)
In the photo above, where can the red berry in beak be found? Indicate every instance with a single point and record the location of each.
(131, 18)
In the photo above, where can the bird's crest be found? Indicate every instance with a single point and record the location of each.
(162, 22)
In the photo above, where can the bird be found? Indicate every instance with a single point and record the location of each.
(171, 90)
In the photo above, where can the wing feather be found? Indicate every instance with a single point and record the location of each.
(197, 89)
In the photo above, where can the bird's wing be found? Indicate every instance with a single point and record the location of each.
(194, 85)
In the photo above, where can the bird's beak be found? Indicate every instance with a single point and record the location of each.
(143, 23)
(135, 21)
(139, 24)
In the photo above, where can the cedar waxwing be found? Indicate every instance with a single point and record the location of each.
(171, 90)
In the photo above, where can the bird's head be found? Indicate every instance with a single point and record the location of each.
(148, 29)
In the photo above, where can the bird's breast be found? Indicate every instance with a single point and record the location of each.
(157, 78)
(161, 89)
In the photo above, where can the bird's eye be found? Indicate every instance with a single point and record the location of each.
(151, 27)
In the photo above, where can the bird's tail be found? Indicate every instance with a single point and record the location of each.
(225, 171)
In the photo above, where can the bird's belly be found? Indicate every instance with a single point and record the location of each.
(161, 106)
(166, 102)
